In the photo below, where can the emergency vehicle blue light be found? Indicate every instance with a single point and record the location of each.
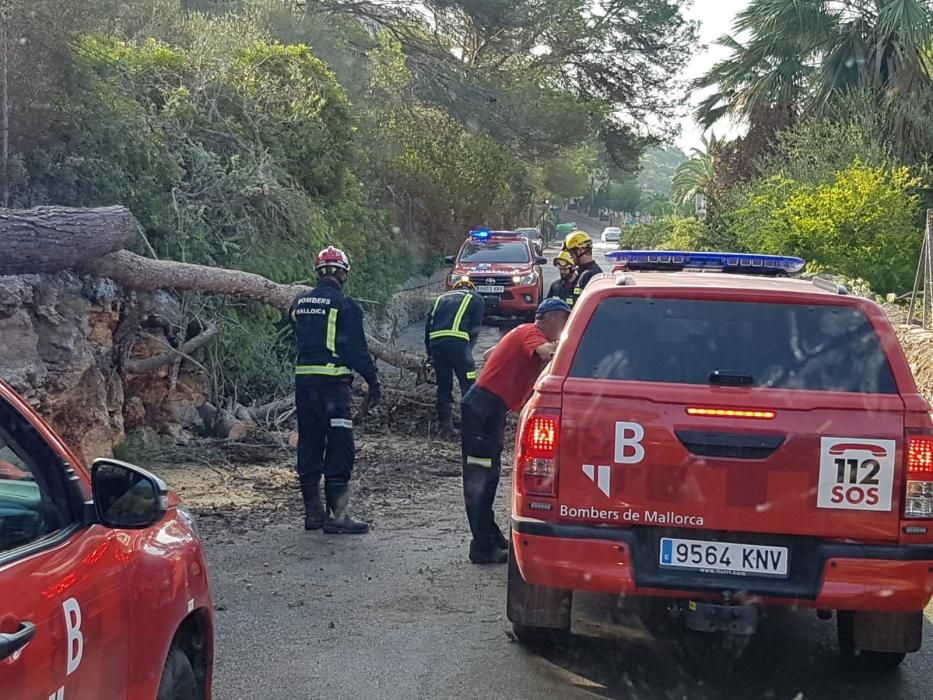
(674, 260)
(480, 233)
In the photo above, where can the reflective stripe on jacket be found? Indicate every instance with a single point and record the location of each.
(329, 333)
(456, 315)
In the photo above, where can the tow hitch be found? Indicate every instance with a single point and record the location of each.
(712, 617)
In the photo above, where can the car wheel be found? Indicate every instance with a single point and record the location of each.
(178, 681)
(871, 660)
(523, 596)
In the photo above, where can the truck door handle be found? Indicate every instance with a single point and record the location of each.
(12, 642)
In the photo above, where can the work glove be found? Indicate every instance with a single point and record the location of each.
(374, 395)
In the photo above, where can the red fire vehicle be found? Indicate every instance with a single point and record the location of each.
(105, 590)
(505, 269)
(718, 436)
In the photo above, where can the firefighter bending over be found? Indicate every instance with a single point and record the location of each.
(504, 385)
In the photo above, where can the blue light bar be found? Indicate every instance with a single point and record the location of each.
(674, 260)
(481, 233)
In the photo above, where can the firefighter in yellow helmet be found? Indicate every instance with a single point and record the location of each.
(580, 246)
(563, 288)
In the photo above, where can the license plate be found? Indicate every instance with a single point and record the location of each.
(724, 557)
(490, 289)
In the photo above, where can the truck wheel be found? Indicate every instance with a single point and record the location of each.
(178, 681)
(539, 615)
(872, 660)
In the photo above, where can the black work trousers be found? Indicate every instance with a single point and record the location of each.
(325, 430)
(483, 432)
(451, 358)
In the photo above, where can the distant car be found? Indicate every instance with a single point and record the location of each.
(611, 234)
(506, 270)
(105, 590)
(533, 235)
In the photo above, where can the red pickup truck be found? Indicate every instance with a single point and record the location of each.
(104, 586)
(719, 436)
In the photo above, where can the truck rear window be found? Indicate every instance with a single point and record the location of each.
(782, 346)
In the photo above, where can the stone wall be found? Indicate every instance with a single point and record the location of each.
(62, 338)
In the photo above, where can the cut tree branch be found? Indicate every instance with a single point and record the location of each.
(150, 364)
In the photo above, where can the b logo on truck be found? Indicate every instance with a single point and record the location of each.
(856, 474)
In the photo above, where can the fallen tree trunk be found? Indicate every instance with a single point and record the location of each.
(137, 272)
(49, 239)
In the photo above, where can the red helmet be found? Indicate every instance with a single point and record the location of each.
(332, 257)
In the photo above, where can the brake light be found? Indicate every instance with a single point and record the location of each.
(537, 457)
(730, 413)
(919, 499)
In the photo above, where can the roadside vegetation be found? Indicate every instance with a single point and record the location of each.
(247, 134)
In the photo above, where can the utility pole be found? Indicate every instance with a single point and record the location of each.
(5, 109)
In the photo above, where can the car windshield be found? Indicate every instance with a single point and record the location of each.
(509, 252)
(774, 346)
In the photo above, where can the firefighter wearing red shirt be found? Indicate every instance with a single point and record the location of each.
(505, 383)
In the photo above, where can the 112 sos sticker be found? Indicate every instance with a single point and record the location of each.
(856, 474)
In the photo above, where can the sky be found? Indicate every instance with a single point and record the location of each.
(715, 17)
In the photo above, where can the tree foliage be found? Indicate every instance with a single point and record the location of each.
(861, 223)
(800, 54)
(502, 65)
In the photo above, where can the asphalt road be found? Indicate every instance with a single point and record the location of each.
(401, 613)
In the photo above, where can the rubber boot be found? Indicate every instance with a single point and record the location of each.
(339, 522)
(496, 555)
(446, 431)
(314, 508)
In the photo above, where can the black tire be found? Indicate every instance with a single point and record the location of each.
(178, 680)
(528, 634)
(868, 660)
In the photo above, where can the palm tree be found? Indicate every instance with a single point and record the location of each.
(802, 52)
(696, 176)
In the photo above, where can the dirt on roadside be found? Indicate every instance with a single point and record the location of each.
(395, 484)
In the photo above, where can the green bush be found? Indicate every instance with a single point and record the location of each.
(677, 233)
(862, 224)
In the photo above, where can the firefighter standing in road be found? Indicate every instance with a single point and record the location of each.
(511, 369)
(449, 336)
(331, 346)
(580, 246)
(564, 287)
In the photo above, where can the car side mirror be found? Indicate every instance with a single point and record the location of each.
(540, 260)
(125, 496)
(450, 259)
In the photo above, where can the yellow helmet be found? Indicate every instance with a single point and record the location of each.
(564, 258)
(464, 283)
(577, 239)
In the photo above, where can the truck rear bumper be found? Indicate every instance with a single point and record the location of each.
(623, 561)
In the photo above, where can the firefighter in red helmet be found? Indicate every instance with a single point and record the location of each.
(331, 347)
